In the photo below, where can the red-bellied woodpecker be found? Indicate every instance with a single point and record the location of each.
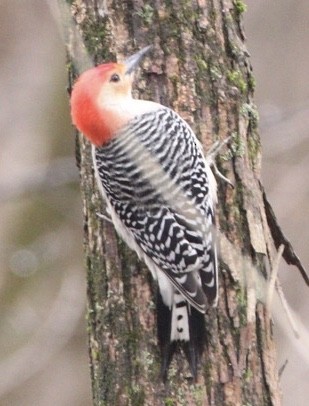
(161, 195)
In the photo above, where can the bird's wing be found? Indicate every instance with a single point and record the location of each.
(162, 197)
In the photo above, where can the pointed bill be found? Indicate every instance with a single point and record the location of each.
(133, 61)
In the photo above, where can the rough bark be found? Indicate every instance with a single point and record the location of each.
(200, 68)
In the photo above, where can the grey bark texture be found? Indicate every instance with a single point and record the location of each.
(200, 68)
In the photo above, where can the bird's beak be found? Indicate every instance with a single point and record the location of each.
(132, 62)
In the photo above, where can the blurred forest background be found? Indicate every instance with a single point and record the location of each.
(43, 342)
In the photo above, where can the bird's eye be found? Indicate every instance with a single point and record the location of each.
(115, 78)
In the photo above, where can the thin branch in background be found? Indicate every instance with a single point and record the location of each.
(287, 310)
(273, 278)
(279, 238)
(250, 278)
(274, 282)
(282, 368)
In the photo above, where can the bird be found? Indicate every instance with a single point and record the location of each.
(161, 195)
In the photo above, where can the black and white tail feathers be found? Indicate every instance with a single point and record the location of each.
(180, 327)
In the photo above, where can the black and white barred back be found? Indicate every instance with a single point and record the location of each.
(161, 194)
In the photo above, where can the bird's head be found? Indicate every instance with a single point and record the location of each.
(100, 96)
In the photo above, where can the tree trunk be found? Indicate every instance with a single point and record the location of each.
(200, 68)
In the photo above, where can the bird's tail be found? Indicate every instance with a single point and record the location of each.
(181, 326)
